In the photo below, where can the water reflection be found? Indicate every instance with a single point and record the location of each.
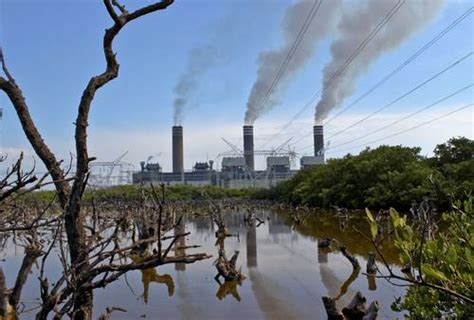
(151, 275)
(335, 288)
(180, 245)
(229, 288)
(287, 274)
(371, 282)
(251, 244)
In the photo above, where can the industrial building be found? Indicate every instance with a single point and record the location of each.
(318, 158)
(237, 169)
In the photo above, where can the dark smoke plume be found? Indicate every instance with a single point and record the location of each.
(270, 61)
(353, 28)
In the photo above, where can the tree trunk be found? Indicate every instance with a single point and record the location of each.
(331, 309)
(3, 295)
(371, 266)
(74, 225)
(357, 308)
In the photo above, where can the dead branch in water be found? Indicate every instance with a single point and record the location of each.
(355, 310)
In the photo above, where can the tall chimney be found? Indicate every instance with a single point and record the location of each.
(248, 147)
(318, 140)
(178, 166)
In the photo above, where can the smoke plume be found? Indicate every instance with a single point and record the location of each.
(271, 61)
(353, 28)
(201, 59)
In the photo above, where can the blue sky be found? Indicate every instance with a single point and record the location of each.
(53, 47)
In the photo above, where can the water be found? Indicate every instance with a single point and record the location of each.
(286, 274)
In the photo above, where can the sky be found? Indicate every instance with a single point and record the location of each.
(53, 47)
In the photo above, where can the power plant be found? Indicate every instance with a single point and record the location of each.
(237, 165)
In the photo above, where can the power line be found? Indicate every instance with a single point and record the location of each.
(413, 57)
(420, 85)
(411, 128)
(407, 116)
(396, 121)
(372, 34)
(291, 52)
(348, 61)
(394, 101)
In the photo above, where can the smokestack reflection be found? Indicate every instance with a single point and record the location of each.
(180, 246)
(251, 243)
(323, 251)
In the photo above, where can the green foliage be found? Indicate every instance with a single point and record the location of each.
(445, 261)
(134, 193)
(372, 223)
(386, 176)
(455, 150)
(172, 193)
(383, 177)
(454, 160)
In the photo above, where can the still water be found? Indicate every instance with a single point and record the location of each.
(286, 274)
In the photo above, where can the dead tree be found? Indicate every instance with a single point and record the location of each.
(225, 268)
(17, 181)
(111, 254)
(70, 192)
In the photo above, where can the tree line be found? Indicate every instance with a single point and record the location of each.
(387, 176)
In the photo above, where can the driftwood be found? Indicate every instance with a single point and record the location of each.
(371, 266)
(226, 268)
(251, 217)
(373, 311)
(406, 268)
(331, 309)
(108, 313)
(353, 260)
(324, 242)
(355, 310)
